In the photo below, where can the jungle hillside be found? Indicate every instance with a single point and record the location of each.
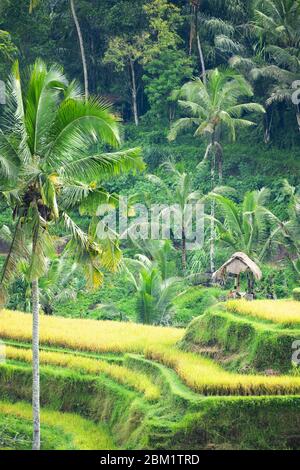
(149, 225)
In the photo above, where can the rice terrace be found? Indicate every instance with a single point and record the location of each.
(149, 227)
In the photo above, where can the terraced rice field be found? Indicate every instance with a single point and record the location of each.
(283, 312)
(113, 385)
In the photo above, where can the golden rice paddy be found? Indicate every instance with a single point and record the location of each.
(206, 377)
(285, 312)
(135, 380)
(87, 335)
(158, 344)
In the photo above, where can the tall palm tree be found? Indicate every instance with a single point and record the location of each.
(49, 163)
(287, 233)
(210, 109)
(181, 195)
(252, 228)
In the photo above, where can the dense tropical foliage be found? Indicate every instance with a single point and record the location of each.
(142, 105)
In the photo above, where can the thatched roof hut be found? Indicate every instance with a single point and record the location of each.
(238, 264)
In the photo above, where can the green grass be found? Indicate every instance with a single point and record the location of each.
(132, 379)
(194, 302)
(16, 434)
(59, 431)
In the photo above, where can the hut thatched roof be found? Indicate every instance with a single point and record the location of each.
(237, 264)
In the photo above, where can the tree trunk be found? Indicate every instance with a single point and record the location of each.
(219, 160)
(201, 56)
(199, 48)
(134, 93)
(212, 215)
(183, 255)
(212, 237)
(298, 117)
(192, 29)
(35, 366)
(268, 125)
(83, 57)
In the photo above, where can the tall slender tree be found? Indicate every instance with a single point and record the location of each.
(34, 3)
(125, 54)
(82, 49)
(195, 36)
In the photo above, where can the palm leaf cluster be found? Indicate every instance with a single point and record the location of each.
(277, 25)
(215, 105)
(273, 59)
(155, 290)
(252, 228)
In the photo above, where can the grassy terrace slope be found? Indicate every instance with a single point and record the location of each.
(63, 431)
(247, 335)
(137, 389)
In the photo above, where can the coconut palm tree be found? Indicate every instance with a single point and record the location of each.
(252, 228)
(49, 154)
(59, 283)
(181, 195)
(287, 233)
(210, 109)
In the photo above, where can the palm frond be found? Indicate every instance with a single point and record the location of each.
(181, 125)
(98, 167)
(78, 125)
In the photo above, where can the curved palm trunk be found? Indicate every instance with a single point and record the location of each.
(83, 57)
(35, 367)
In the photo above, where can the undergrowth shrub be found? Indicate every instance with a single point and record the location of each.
(296, 294)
